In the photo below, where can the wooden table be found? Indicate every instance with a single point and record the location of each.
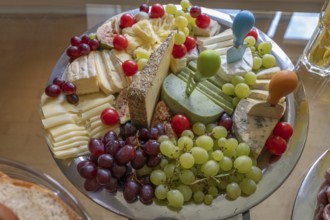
(30, 45)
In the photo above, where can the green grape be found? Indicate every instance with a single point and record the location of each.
(237, 79)
(188, 133)
(217, 155)
(231, 144)
(265, 47)
(233, 191)
(254, 161)
(251, 41)
(242, 90)
(176, 153)
(179, 13)
(222, 142)
(185, 143)
(185, 4)
(163, 162)
(169, 170)
(145, 170)
(210, 127)
(254, 174)
(228, 89)
(175, 198)
(268, 61)
(243, 149)
(243, 164)
(248, 186)
(157, 177)
(163, 138)
(187, 160)
(186, 192)
(199, 128)
(235, 101)
(253, 50)
(257, 63)
(237, 177)
(179, 38)
(141, 53)
(205, 142)
(200, 155)
(185, 30)
(167, 148)
(226, 164)
(141, 63)
(222, 185)
(190, 19)
(170, 9)
(230, 153)
(208, 63)
(210, 168)
(92, 36)
(208, 199)
(198, 197)
(187, 177)
(161, 191)
(219, 132)
(197, 187)
(250, 78)
(212, 190)
(181, 21)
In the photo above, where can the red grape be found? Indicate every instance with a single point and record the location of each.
(84, 49)
(68, 88)
(203, 21)
(125, 154)
(84, 39)
(112, 185)
(179, 51)
(253, 32)
(157, 11)
(140, 159)
(154, 133)
(91, 185)
(83, 163)
(143, 134)
(126, 20)
(118, 171)
(226, 122)
(146, 194)
(109, 116)
(284, 130)
(103, 176)
(58, 81)
(112, 147)
(96, 147)
(73, 52)
(75, 41)
(131, 191)
(105, 160)
(151, 147)
(53, 90)
(180, 123)
(120, 42)
(127, 130)
(109, 136)
(195, 11)
(88, 171)
(129, 67)
(161, 129)
(94, 44)
(190, 43)
(145, 8)
(132, 140)
(72, 99)
(276, 145)
(154, 161)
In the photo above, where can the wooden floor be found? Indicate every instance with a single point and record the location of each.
(30, 46)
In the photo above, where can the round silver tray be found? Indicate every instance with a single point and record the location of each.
(276, 170)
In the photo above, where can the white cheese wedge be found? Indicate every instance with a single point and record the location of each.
(102, 74)
(82, 72)
(217, 45)
(117, 58)
(268, 73)
(222, 51)
(213, 29)
(228, 70)
(144, 91)
(253, 130)
(176, 65)
(113, 75)
(223, 36)
(261, 84)
(261, 95)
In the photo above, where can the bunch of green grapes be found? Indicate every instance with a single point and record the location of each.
(202, 164)
(142, 57)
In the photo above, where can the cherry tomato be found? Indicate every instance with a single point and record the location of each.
(253, 32)
(129, 67)
(203, 21)
(190, 43)
(126, 20)
(157, 11)
(180, 123)
(120, 42)
(109, 116)
(179, 51)
(276, 145)
(284, 130)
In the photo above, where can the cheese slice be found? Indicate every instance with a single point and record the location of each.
(69, 135)
(58, 120)
(102, 74)
(93, 112)
(71, 152)
(218, 45)
(69, 140)
(268, 73)
(62, 129)
(113, 76)
(223, 36)
(90, 101)
(117, 58)
(261, 84)
(144, 91)
(213, 28)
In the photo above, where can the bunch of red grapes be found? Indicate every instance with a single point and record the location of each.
(114, 159)
(81, 46)
(59, 85)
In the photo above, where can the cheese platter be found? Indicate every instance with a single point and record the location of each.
(190, 105)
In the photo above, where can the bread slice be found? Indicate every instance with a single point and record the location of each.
(30, 201)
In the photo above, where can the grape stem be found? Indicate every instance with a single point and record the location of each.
(216, 178)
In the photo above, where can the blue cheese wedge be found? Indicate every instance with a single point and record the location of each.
(253, 130)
